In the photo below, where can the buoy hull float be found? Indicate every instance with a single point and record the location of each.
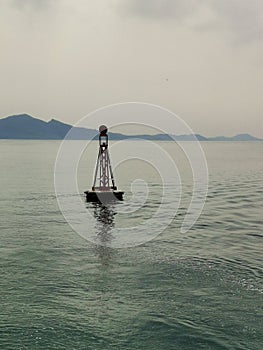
(104, 196)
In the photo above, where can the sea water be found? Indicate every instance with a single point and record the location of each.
(196, 290)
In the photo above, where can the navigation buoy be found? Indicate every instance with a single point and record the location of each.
(104, 188)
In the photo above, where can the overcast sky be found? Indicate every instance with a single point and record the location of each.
(202, 59)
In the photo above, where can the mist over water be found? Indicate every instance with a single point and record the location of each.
(199, 290)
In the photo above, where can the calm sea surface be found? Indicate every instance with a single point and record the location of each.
(199, 290)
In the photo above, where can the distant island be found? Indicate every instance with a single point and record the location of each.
(26, 127)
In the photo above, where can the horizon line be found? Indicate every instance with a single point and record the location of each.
(131, 135)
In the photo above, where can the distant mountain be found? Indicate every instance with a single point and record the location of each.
(166, 137)
(25, 127)
(239, 137)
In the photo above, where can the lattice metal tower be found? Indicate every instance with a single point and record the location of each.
(103, 173)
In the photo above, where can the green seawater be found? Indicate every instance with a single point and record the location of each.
(198, 290)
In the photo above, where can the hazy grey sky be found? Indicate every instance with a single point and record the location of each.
(203, 59)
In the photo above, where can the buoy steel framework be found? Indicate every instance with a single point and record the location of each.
(106, 190)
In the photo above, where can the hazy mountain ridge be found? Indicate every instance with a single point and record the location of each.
(26, 127)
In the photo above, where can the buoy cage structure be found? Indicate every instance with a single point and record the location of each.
(104, 188)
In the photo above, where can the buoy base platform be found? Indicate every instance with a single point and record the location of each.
(103, 196)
